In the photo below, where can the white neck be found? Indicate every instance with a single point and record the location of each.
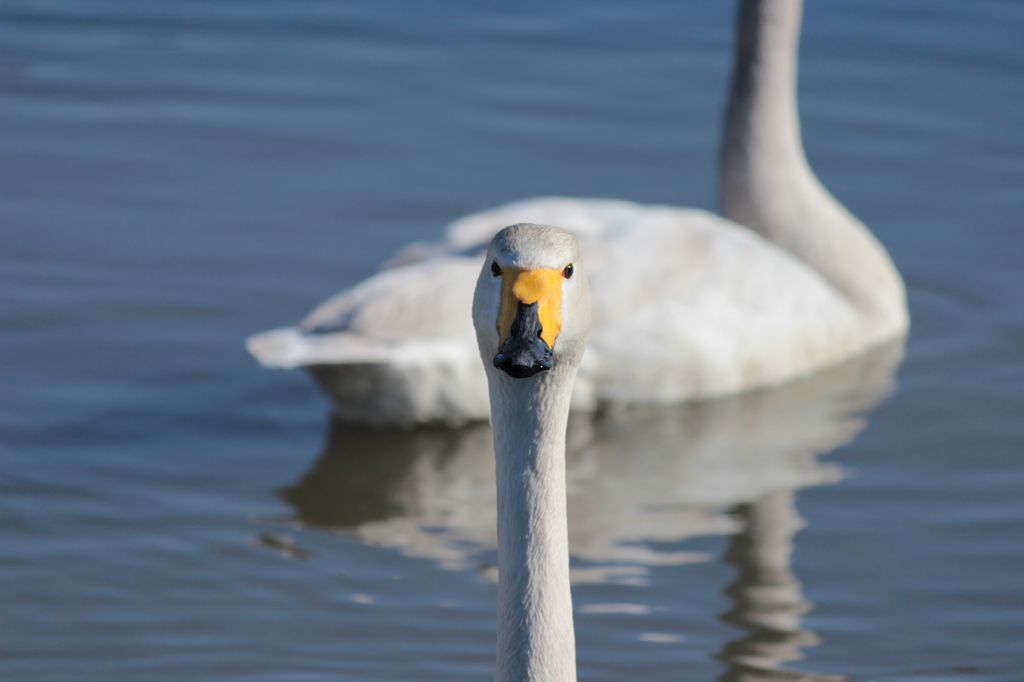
(535, 631)
(767, 184)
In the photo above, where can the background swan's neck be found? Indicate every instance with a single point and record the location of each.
(768, 186)
(535, 630)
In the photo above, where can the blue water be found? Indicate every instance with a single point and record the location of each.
(175, 176)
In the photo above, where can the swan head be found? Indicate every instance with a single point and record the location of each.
(531, 308)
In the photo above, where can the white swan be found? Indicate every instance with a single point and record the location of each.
(531, 311)
(714, 308)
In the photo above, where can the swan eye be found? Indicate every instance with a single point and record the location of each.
(567, 273)
(495, 268)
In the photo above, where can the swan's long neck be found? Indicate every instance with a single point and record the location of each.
(767, 184)
(535, 630)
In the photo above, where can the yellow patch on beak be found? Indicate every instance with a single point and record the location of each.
(542, 286)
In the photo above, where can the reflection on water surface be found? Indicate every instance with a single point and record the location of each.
(640, 481)
(766, 595)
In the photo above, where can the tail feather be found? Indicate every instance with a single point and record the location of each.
(290, 347)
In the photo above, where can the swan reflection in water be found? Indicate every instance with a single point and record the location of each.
(638, 480)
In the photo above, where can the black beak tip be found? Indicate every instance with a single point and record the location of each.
(524, 353)
(519, 367)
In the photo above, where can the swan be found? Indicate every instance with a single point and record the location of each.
(688, 305)
(531, 313)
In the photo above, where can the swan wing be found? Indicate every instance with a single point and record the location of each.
(690, 305)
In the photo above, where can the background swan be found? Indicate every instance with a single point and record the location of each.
(805, 287)
(531, 311)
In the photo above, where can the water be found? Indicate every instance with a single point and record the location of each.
(175, 176)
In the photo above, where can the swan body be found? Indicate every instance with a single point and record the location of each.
(531, 312)
(787, 283)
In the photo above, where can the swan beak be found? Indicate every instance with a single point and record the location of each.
(529, 320)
